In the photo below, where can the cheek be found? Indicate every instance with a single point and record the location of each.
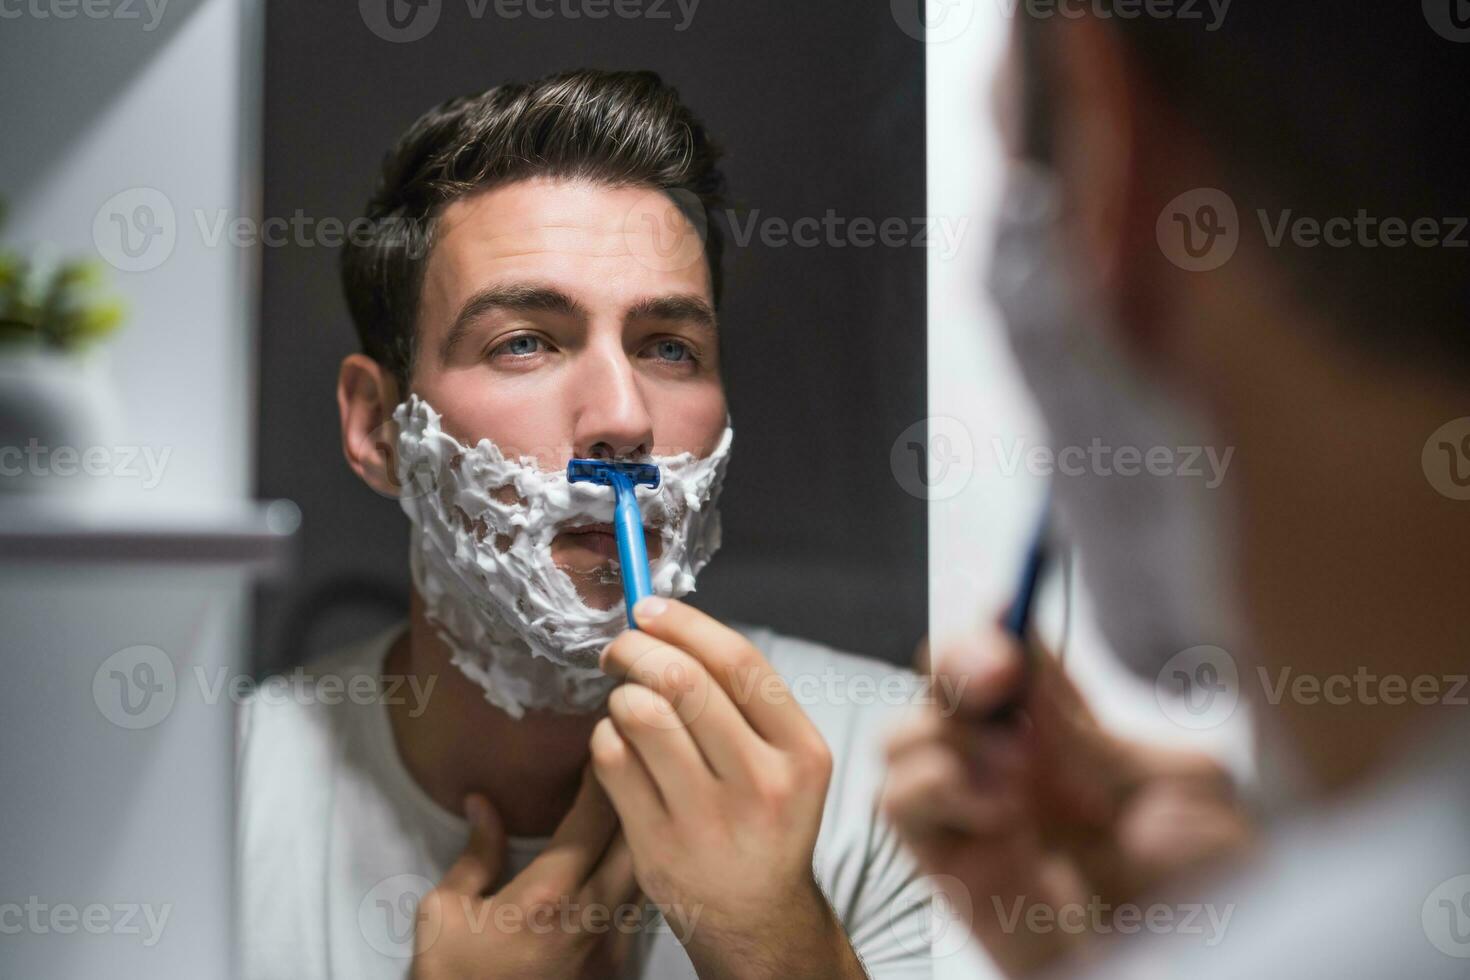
(519, 421)
(692, 422)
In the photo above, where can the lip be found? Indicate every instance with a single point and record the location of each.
(601, 540)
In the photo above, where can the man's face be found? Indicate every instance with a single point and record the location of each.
(557, 321)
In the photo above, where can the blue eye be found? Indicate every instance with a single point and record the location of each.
(672, 351)
(522, 346)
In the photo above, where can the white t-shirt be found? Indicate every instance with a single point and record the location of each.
(337, 842)
(1370, 887)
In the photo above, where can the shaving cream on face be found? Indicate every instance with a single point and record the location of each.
(482, 528)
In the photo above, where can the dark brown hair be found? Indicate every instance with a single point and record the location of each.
(1324, 111)
(618, 128)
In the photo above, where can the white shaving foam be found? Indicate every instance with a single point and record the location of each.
(481, 558)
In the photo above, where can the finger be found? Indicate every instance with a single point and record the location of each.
(735, 664)
(646, 720)
(702, 705)
(928, 794)
(480, 863)
(613, 881)
(977, 675)
(628, 783)
(989, 753)
(921, 655)
(578, 842)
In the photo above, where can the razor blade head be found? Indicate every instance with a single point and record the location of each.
(602, 471)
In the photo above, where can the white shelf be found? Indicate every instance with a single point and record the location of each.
(255, 535)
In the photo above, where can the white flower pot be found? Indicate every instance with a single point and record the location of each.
(48, 401)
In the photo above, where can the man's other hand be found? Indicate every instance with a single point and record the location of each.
(524, 929)
(1042, 806)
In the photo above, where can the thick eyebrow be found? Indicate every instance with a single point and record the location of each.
(683, 307)
(518, 297)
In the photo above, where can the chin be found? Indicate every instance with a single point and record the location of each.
(598, 586)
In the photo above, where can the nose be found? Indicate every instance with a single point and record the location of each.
(613, 421)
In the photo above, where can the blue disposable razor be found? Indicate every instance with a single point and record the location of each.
(1017, 620)
(1018, 616)
(624, 478)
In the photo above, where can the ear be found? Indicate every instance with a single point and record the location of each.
(1095, 143)
(367, 393)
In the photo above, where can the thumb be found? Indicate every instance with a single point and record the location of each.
(578, 842)
(976, 675)
(479, 865)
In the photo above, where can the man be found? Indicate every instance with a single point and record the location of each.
(523, 772)
(1238, 235)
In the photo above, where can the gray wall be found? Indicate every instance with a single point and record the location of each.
(820, 106)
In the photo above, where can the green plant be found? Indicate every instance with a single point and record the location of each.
(56, 304)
